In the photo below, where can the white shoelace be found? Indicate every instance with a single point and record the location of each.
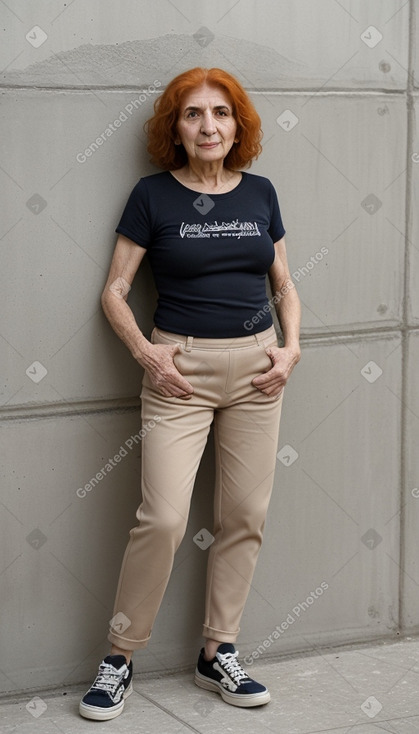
(232, 666)
(108, 678)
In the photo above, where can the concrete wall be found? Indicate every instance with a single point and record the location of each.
(335, 86)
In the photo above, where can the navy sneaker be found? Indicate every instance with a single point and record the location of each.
(106, 697)
(225, 675)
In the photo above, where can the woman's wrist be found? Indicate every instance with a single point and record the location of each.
(142, 351)
(294, 351)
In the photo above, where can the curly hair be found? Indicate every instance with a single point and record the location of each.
(161, 128)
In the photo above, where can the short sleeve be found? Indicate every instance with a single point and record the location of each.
(135, 222)
(276, 228)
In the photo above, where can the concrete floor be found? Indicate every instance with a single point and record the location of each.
(363, 689)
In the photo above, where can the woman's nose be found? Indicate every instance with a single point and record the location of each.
(208, 124)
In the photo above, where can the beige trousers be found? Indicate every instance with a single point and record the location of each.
(246, 425)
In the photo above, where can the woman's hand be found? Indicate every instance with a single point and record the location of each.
(166, 378)
(283, 361)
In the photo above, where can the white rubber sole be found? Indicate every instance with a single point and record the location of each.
(244, 700)
(98, 714)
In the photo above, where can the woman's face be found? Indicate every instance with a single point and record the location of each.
(206, 126)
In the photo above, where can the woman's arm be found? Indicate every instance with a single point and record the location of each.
(288, 309)
(157, 359)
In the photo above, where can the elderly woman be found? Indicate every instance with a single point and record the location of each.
(212, 233)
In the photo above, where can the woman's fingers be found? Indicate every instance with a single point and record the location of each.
(273, 380)
(165, 375)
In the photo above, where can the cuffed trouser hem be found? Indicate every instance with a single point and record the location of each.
(126, 644)
(211, 633)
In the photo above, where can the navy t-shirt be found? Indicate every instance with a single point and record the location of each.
(209, 254)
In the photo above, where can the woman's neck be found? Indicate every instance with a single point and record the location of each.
(209, 179)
